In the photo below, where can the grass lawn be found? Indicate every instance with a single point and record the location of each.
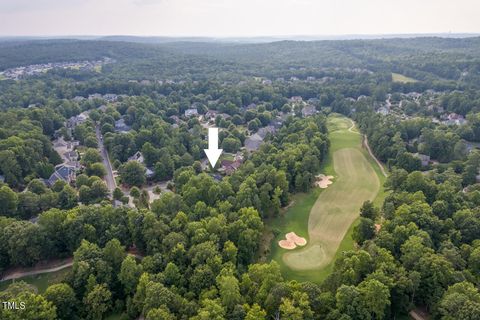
(117, 316)
(97, 69)
(357, 178)
(40, 281)
(397, 77)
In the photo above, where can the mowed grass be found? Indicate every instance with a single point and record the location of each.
(332, 212)
(397, 77)
(40, 281)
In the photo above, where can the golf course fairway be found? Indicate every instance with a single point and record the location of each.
(325, 217)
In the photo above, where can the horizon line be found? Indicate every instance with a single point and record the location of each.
(249, 36)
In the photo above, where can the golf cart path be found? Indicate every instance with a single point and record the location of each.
(365, 142)
(48, 268)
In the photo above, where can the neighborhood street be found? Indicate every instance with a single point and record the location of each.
(109, 178)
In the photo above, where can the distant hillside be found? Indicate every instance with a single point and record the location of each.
(426, 58)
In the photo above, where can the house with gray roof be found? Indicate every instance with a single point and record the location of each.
(308, 111)
(62, 172)
(193, 112)
(121, 126)
(253, 142)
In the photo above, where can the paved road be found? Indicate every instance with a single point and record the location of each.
(109, 178)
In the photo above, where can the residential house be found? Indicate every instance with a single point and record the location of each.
(192, 112)
(383, 111)
(121, 126)
(455, 119)
(149, 173)
(229, 167)
(78, 99)
(262, 132)
(76, 120)
(95, 96)
(102, 108)
(210, 115)
(62, 172)
(308, 111)
(224, 116)
(110, 97)
(253, 142)
(138, 157)
(425, 159)
(296, 99)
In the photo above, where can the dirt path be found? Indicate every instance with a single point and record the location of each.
(48, 267)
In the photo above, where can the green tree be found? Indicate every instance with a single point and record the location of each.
(63, 298)
(365, 230)
(133, 173)
(135, 192)
(98, 302)
(130, 273)
(91, 156)
(96, 169)
(229, 291)
(375, 297)
(210, 310)
(8, 201)
(84, 194)
(117, 193)
(36, 306)
(114, 254)
(67, 198)
(161, 313)
(460, 302)
(255, 313)
(369, 211)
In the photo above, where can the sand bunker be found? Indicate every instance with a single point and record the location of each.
(292, 241)
(323, 181)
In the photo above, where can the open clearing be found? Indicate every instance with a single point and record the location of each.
(326, 217)
(397, 77)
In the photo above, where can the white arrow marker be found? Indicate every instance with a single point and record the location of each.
(213, 153)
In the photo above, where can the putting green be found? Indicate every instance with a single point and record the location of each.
(337, 207)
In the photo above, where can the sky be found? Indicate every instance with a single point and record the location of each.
(236, 18)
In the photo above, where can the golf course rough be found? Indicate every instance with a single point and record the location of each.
(337, 206)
